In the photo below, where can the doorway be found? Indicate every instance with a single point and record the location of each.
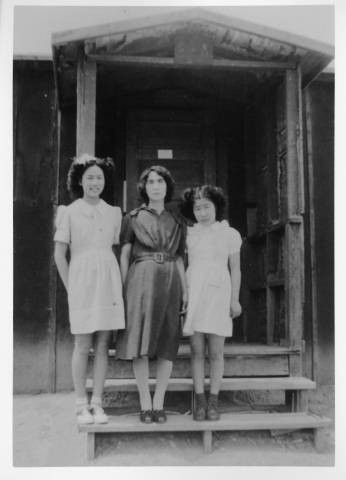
(237, 130)
(175, 139)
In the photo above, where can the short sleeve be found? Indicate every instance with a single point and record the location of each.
(118, 221)
(127, 234)
(62, 223)
(234, 241)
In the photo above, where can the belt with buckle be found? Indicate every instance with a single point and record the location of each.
(158, 257)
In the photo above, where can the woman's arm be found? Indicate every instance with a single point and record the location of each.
(181, 270)
(234, 264)
(125, 260)
(60, 251)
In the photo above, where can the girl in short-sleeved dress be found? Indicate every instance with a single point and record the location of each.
(213, 278)
(89, 227)
(153, 243)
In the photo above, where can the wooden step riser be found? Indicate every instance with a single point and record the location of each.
(289, 384)
(237, 366)
(227, 422)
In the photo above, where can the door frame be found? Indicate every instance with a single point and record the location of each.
(207, 124)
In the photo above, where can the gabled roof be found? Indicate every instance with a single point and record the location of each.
(231, 39)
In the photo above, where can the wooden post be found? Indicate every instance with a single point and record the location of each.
(312, 234)
(86, 106)
(289, 400)
(131, 161)
(270, 315)
(292, 121)
(209, 148)
(320, 439)
(208, 441)
(294, 227)
(90, 445)
(302, 400)
(52, 270)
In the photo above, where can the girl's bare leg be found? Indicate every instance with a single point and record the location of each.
(82, 344)
(163, 373)
(216, 359)
(197, 361)
(141, 371)
(100, 363)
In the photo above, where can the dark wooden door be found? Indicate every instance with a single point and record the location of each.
(180, 140)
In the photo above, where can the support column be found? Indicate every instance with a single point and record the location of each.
(294, 228)
(90, 445)
(86, 106)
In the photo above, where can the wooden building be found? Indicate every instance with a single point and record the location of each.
(216, 100)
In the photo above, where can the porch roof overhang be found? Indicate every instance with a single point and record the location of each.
(228, 43)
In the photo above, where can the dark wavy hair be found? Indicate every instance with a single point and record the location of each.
(212, 193)
(80, 165)
(164, 173)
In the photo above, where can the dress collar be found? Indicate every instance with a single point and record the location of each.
(151, 210)
(88, 209)
(216, 226)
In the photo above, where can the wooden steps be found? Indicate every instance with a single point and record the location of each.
(231, 349)
(241, 360)
(228, 422)
(247, 367)
(228, 384)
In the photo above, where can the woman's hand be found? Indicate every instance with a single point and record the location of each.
(235, 309)
(184, 302)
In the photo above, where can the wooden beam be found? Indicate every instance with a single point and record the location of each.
(229, 421)
(86, 106)
(300, 144)
(208, 142)
(294, 234)
(292, 120)
(90, 445)
(208, 441)
(191, 16)
(169, 62)
(293, 282)
(227, 384)
(236, 349)
(52, 320)
(312, 232)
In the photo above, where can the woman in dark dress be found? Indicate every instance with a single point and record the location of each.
(152, 269)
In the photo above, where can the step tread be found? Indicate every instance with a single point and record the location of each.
(229, 384)
(228, 421)
(234, 349)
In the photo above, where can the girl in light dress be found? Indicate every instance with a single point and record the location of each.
(213, 277)
(88, 228)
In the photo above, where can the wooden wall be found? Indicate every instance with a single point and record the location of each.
(43, 346)
(34, 174)
(319, 219)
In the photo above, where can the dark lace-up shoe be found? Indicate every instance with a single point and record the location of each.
(200, 407)
(146, 416)
(212, 408)
(159, 416)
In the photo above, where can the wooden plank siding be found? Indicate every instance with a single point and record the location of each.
(35, 164)
(319, 224)
(86, 106)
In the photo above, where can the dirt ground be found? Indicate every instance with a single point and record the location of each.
(45, 434)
